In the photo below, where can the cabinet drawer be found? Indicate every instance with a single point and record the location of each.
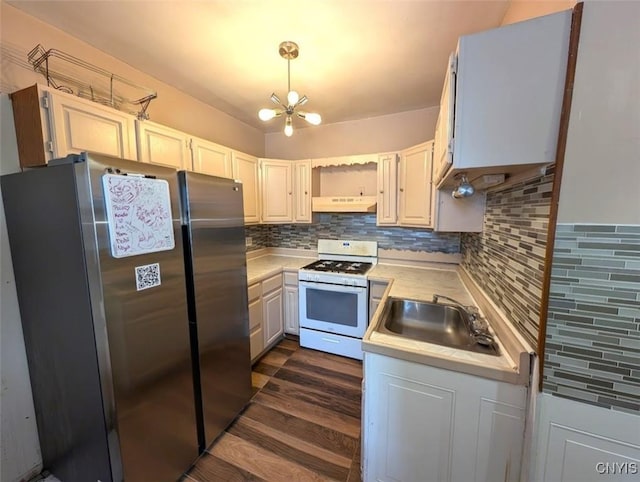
(376, 289)
(254, 292)
(255, 315)
(331, 343)
(271, 284)
(256, 343)
(290, 278)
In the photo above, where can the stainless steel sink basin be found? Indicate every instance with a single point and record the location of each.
(437, 323)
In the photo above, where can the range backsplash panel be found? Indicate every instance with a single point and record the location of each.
(360, 227)
(592, 351)
(507, 258)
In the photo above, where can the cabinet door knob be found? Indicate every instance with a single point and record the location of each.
(289, 194)
(401, 189)
(381, 192)
(306, 193)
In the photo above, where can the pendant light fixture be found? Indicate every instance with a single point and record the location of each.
(289, 50)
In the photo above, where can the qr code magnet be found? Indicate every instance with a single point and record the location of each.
(147, 276)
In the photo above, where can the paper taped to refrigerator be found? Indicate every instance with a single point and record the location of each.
(139, 215)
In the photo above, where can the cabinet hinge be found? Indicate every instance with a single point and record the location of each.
(451, 146)
(45, 101)
(50, 146)
(454, 64)
(190, 144)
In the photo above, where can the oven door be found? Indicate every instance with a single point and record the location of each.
(333, 308)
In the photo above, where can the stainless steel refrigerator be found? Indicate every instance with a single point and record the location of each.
(138, 353)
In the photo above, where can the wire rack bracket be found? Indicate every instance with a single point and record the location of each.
(75, 76)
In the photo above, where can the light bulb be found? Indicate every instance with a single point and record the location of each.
(288, 128)
(292, 97)
(313, 118)
(266, 114)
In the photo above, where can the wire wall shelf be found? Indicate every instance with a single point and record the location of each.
(75, 76)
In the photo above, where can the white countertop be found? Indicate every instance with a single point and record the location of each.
(421, 284)
(414, 283)
(271, 264)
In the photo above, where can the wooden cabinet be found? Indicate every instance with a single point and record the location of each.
(51, 124)
(272, 310)
(405, 190)
(256, 334)
(265, 315)
(302, 173)
(210, 158)
(158, 144)
(285, 191)
(277, 190)
(428, 424)
(387, 209)
(245, 169)
(414, 186)
(509, 86)
(376, 291)
(291, 314)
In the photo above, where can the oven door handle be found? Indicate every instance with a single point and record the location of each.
(333, 287)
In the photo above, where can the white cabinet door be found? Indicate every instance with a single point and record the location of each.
(291, 324)
(245, 169)
(387, 189)
(428, 424)
(415, 196)
(442, 155)
(302, 191)
(256, 321)
(79, 125)
(211, 158)
(272, 316)
(503, 425)
(158, 144)
(277, 191)
(408, 425)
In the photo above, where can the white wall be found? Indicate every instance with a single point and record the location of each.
(601, 177)
(19, 33)
(524, 9)
(19, 445)
(376, 134)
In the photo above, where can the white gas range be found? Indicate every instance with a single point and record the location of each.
(334, 296)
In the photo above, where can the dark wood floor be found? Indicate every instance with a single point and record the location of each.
(303, 422)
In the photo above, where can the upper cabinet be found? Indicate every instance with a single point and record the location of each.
(501, 102)
(51, 124)
(414, 186)
(387, 202)
(404, 187)
(210, 158)
(302, 174)
(245, 169)
(162, 145)
(277, 191)
(286, 191)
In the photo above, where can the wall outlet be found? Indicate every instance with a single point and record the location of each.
(248, 241)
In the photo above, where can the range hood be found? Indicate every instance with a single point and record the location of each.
(343, 204)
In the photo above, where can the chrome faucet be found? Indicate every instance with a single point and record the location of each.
(471, 311)
(476, 324)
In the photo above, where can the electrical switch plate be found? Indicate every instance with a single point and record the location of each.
(249, 241)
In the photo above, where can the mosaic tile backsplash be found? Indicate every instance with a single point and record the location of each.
(592, 349)
(351, 226)
(507, 258)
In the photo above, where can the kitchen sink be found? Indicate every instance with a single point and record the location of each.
(437, 323)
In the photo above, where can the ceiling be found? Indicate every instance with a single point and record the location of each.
(358, 58)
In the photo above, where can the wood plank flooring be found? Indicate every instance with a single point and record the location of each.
(302, 424)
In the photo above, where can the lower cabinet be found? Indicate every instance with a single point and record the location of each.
(428, 424)
(265, 315)
(376, 291)
(291, 324)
